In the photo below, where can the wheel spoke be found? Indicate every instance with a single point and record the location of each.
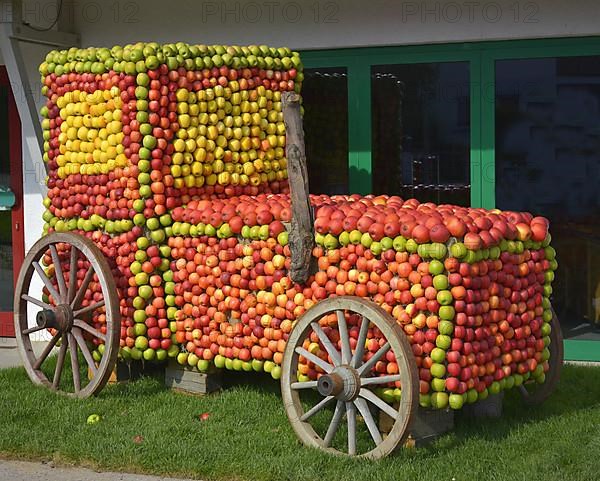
(365, 381)
(86, 327)
(31, 330)
(72, 275)
(84, 285)
(360, 343)
(327, 344)
(46, 351)
(74, 363)
(60, 362)
(304, 385)
(380, 403)
(37, 302)
(316, 408)
(38, 268)
(91, 307)
(315, 359)
(363, 408)
(351, 418)
(366, 367)
(85, 351)
(334, 424)
(58, 272)
(345, 341)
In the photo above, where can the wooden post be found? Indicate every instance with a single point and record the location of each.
(301, 234)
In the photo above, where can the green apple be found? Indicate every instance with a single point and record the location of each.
(411, 246)
(438, 355)
(446, 313)
(440, 282)
(344, 238)
(192, 359)
(268, 366)
(425, 400)
(436, 267)
(439, 400)
(472, 396)
(456, 401)
(366, 240)
(438, 370)
(355, 237)
(399, 244)
(446, 328)
(458, 250)
(219, 361)
(276, 372)
(282, 238)
(443, 342)
(93, 419)
(330, 242)
(376, 248)
(149, 354)
(444, 298)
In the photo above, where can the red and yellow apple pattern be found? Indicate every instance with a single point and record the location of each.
(172, 159)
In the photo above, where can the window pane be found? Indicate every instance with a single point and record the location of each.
(6, 266)
(325, 100)
(421, 131)
(548, 162)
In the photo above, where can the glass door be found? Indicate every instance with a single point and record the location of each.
(325, 102)
(421, 131)
(11, 204)
(548, 162)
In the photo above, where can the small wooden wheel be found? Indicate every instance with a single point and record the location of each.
(68, 306)
(344, 386)
(533, 392)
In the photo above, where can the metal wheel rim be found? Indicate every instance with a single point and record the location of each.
(404, 357)
(90, 252)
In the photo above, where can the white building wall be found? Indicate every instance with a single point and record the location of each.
(311, 24)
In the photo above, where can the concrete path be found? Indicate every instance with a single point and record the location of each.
(26, 471)
(9, 354)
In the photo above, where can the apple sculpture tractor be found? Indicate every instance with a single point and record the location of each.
(179, 225)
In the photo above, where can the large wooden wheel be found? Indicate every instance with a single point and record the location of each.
(345, 384)
(533, 392)
(78, 288)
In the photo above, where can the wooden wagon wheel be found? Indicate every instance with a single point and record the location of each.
(347, 380)
(67, 310)
(534, 393)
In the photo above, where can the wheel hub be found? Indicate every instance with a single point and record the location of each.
(60, 318)
(343, 383)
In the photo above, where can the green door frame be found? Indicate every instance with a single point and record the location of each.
(482, 57)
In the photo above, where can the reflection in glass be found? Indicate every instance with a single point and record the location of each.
(6, 265)
(548, 162)
(325, 101)
(420, 129)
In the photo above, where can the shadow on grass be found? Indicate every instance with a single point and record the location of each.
(578, 390)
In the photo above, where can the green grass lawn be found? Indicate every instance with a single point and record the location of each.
(247, 436)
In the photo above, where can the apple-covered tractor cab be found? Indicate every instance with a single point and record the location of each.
(179, 226)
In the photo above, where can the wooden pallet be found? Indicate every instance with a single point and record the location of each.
(427, 425)
(491, 407)
(190, 380)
